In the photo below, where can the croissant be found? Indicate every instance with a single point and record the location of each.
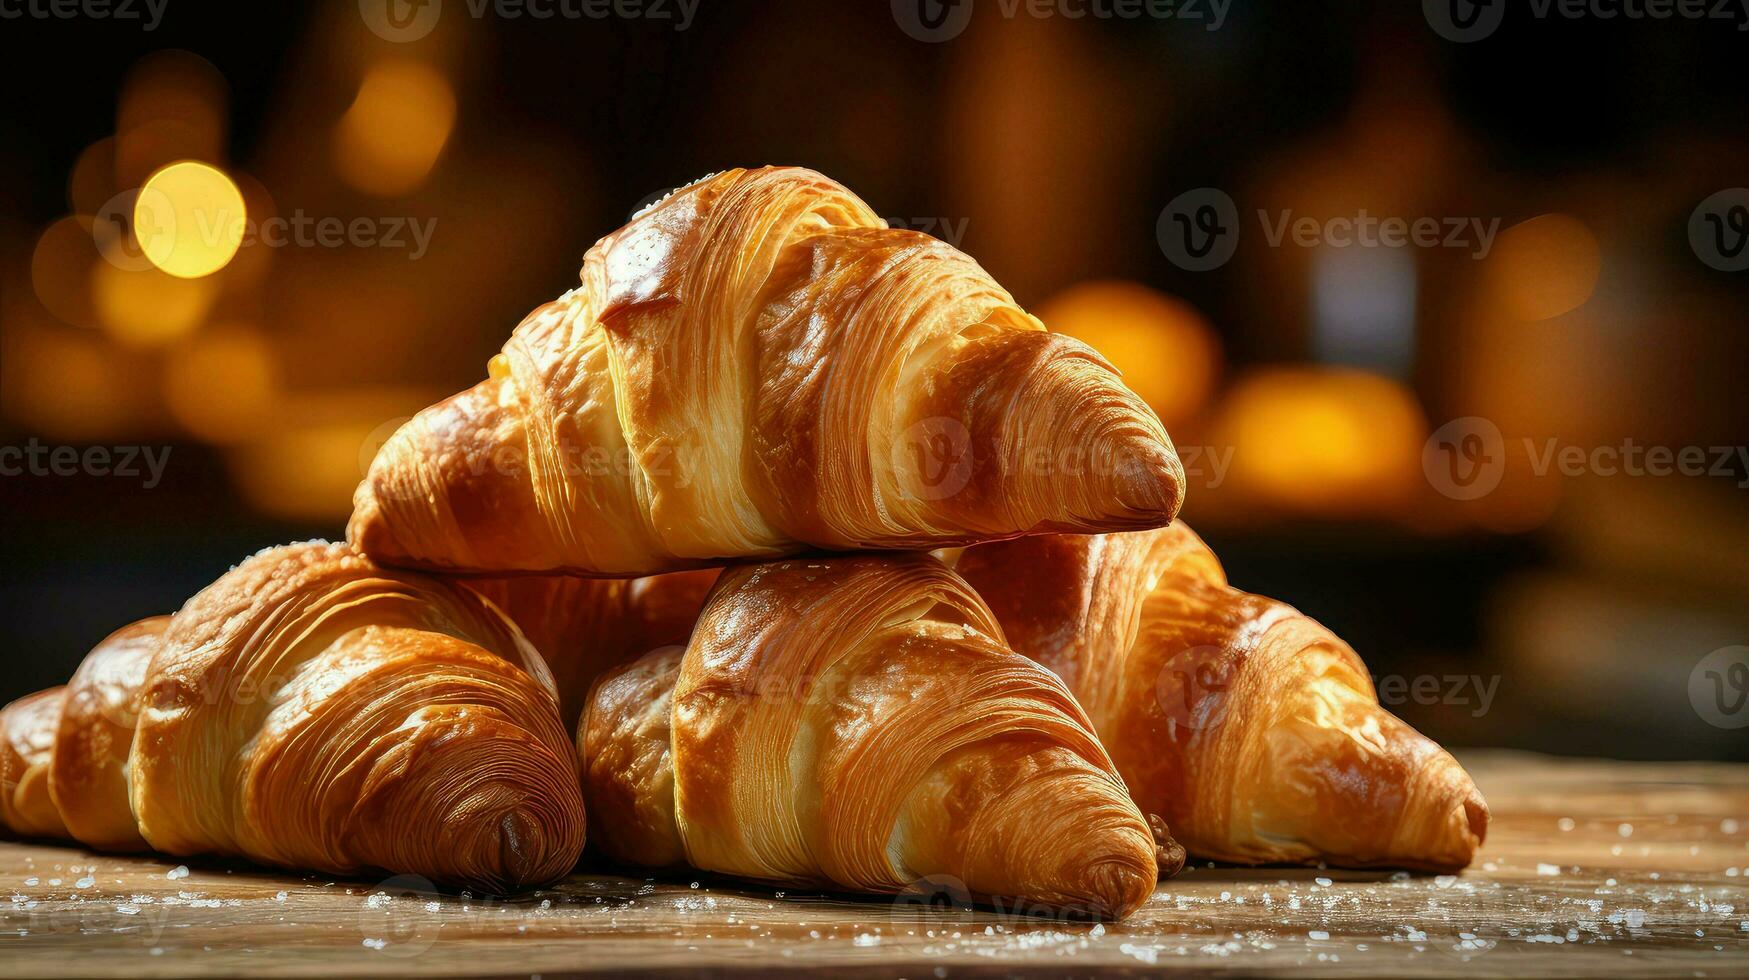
(857, 723)
(1254, 731)
(27, 738)
(757, 366)
(314, 711)
(88, 776)
(582, 626)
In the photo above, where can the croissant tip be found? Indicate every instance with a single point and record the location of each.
(516, 850)
(1476, 812)
(1119, 887)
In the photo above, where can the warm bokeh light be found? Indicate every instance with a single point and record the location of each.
(92, 181)
(1544, 267)
(189, 219)
(60, 270)
(1324, 441)
(147, 307)
(172, 106)
(1165, 349)
(308, 470)
(390, 138)
(222, 386)
(63, 383)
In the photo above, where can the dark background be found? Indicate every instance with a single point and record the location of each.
(1045, 146)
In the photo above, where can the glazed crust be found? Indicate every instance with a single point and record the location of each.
(858, 723)
(88, 776)
(1254, 731)
(582, 626)
(755, 367)
(27, 738)
(312, 710)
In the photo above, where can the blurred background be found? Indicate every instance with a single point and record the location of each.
(1429, 445)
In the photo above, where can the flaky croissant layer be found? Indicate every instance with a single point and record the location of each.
(314, 711)
(1254, 731)
(858, 723)
(756, 366)
(582, 626)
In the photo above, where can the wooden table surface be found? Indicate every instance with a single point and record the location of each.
(1591, 867)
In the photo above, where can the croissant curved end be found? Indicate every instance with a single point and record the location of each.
(502, 811)
(1372, 793)
(27, 732)
(1445, 834)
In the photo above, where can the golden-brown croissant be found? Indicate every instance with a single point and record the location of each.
(27, 738)
(1254, 731)
(582, 626)
(312, 710)
(857, 723)
(757, 366)
(88, 775)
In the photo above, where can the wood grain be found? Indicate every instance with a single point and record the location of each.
(1591, 867)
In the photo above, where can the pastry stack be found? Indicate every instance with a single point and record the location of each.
(785, 546)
